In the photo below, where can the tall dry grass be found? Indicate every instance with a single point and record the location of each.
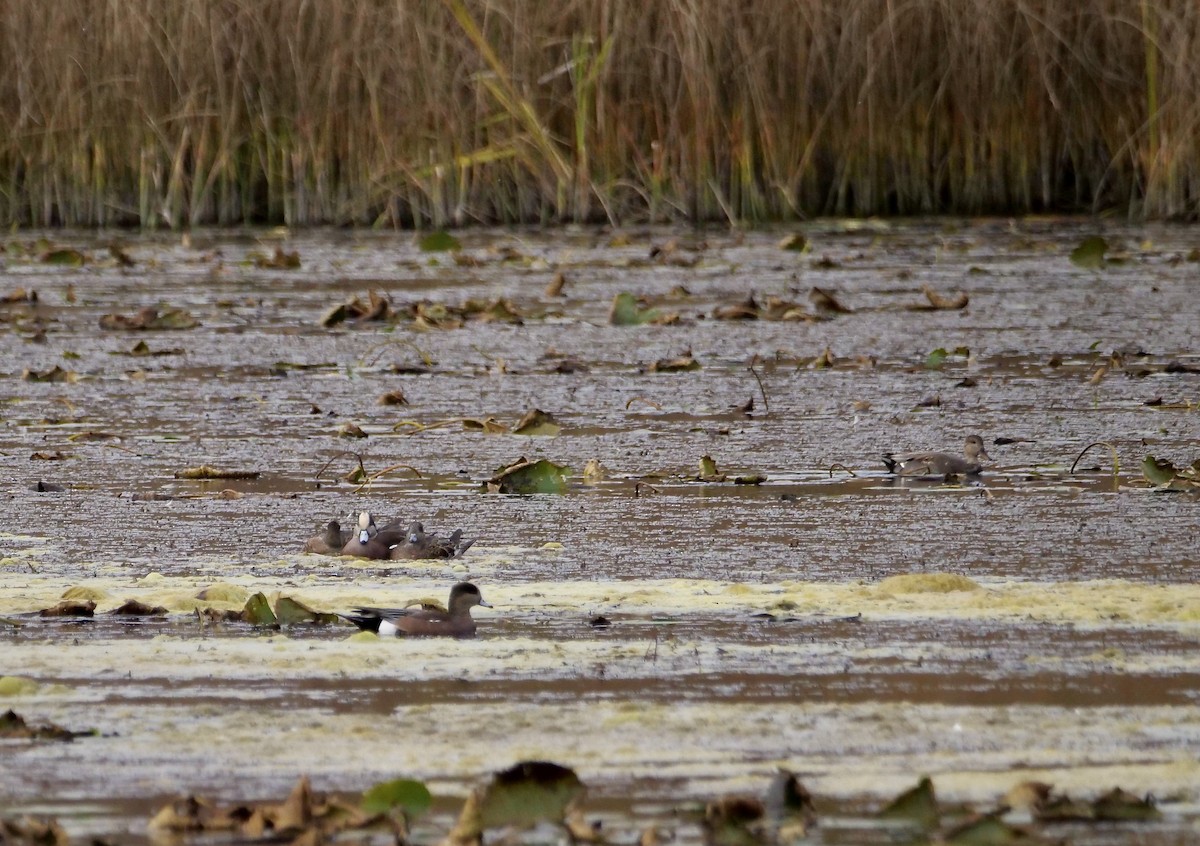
(369, 111)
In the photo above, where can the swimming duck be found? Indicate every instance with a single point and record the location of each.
(939, 463)
(424, 622)
(372, 541)
(330, 542)
(417, 544)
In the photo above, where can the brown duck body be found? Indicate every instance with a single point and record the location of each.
(939, 463)
(330, 542)
(418, 544)
(424, 622)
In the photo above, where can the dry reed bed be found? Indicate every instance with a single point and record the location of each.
(315, 111)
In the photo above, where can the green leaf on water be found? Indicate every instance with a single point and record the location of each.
(626, 311)
(258, 611)
(1119, 804)
(936, 359)
(64, 258)
(1159, 472)
(917, 805)
(290, 611)
(524, 795)
(439, 242)
(1090, 253)
(402, 794)
(529, 477)
(537, 422)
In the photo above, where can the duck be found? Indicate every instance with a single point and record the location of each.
(424, 622)
(330, 542)
(939, 463)
(372, 541)
(417, 544)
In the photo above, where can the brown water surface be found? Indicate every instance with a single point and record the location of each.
(753, 626)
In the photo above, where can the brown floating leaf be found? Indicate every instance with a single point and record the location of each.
(537, 422)
(70, 608)
(395, 397)
(19, 295)
(735, 821)
(708, 470)
(745, 310)
(488, 425)
(350, 430)
(824, 360)
(795, 242)
(57, 455)
(65, 257)
(55, 375)
(939, 303)
(149, 318)
(29, 831)
(594, 472)
(987, 830)
(206, 471)
(555, 288)
(134, 608)
(1118, 804)
(679, 364)
(827, 301)
(279, 260)
(120, 257)
(13, 726)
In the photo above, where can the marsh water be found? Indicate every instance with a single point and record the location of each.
(1035, 622)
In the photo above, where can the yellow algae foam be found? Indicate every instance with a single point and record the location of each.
(17, 686)
(927, 583)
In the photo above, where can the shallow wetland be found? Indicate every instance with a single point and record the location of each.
(1037, 622)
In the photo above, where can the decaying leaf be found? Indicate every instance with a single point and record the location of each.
(735, 821)
(1159, 472)
(350, 430)
(987, 830)
(149, 318)
(594, 472)
(522, 796)
(679, 364)
(278, 260)
(64, 257)
(1090, 253)
(54, 375)
(917, 805)
(626, 310)
(14, 727)
(141, 349)
(529, 477)
(70, 608)
(207, 471)
(18, 296)
(708, 470)
(537, 422)
(747, 309)
(290, 612)
(403, 795)
(57, 455)
(750, 479)
(795, 242)
(938, 357)
(258, 611)
(823, 361)
(939, 303)
(135, 608)
(556, 285)
(487, 425)
(439, 242)
(1118, 804)
(827, 301)
(31, 831)
(395, 397)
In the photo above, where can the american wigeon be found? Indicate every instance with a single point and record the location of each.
(939, 463)
(417, 544)
(424, 622)
(370, 540)
(330, 542)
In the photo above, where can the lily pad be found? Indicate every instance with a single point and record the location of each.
(206, 471)
(258, 611)
(290, 612)
(64, 258)
(524, 795)
(1090, 253)
(917, 805)
(1119, 804)
(537, 422)
(439, 242)
(402, 794)
(1159, 472)
(529, 477)
(627, 311)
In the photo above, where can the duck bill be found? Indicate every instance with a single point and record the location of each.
(483, 604)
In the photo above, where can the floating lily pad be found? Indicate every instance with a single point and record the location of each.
(149, 318)
(488, 425)
(1121, 805)
(14, 727)
(402, 794)
(64, 258)
(708, 470)
(524, 795)
(1090, 253)
(987, 830)
(917, 805)
(529, 477)
(627, 311)
(537, 422)
(258, 611)
(439, 242)
(290, 612)
(828, 301)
